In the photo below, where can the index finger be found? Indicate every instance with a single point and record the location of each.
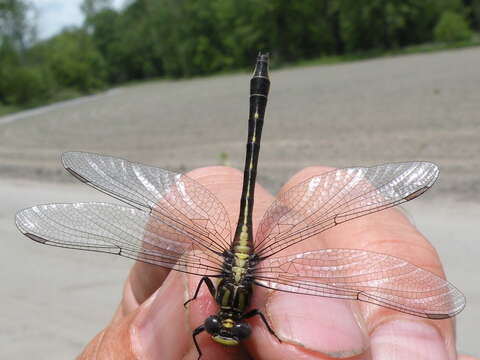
(144, 279)
(222, 182)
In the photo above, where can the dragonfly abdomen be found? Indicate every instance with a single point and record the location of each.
(242, 246)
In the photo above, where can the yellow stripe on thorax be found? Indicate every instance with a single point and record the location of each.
(225, 298)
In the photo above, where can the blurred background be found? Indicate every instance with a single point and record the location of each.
(166, 82)
(53, 50)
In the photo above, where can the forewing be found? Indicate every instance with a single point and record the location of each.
(117, 230)
(327, 200)
(361, 275)
(175, 199)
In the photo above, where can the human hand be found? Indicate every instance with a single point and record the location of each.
(151, 322)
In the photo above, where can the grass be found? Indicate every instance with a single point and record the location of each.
(68, 94)
(8, 109)
(63, 95)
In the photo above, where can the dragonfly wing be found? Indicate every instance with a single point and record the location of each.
(175, 199)
(326, 200)
(362, 275)
(117, 230)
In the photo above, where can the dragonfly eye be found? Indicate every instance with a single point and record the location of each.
(241, 331)
(213, 324)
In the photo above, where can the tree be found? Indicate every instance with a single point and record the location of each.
(385, 24)
(90, 8)
(16, 23)
(74, 60)
(18, 83)
(451, 28)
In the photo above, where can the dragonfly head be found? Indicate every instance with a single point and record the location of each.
(226, 330)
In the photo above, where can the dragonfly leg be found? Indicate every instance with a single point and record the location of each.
(195, 333)
(211, 288)
(256, 312)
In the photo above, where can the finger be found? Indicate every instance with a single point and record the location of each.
(150, 331)
(226, 184)
(310, 327)
(160, 328)
(467, 357)
(144, 278)
(394, 335)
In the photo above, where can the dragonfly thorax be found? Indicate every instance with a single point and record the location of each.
(234, 297)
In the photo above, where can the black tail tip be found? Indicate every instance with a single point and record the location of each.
(261, 67)
(263, 57)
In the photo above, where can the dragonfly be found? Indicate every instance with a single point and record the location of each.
(172, 221)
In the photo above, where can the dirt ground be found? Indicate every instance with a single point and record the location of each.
(419, 107)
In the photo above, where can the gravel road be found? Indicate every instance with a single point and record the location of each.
(419, 107)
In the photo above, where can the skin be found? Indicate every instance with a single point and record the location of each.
(151, 323)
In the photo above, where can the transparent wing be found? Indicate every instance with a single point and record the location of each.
(361, 275)
(175, 199)
(117, 230)
(327, 200)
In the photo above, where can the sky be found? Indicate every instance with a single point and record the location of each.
(53, 15)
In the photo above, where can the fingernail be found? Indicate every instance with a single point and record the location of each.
(330, 326)
(160, 321)
(403, 339)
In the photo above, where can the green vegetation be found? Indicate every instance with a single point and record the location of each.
(452, 28)
(182, 38)
(4, 110)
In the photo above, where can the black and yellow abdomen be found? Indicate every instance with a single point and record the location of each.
(235, 289)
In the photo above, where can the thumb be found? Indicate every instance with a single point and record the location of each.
(132, 335)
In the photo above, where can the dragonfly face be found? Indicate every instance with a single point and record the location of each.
(174, 222)
(225, 330)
